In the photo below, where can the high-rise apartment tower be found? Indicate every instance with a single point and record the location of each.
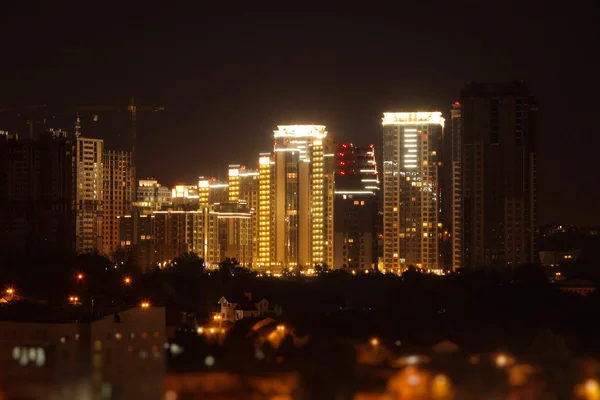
(494, 182)
(412, 150)
(88, 186)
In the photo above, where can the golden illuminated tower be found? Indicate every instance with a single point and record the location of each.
(412, 150)
(303, 198)
(265, 201)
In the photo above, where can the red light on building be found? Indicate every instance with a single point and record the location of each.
(344, 145)
(456, 103)
(371, 146)
(342, 163)
(342, 173)
(341, 154)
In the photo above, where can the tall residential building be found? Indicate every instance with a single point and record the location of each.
(412, 150)
(36, 196)
(296, 199)
(118, 195)
(244, 187)
(457, 199)
(356, 211)
(302, 195)
(266, 217)
(496, 130)
(88, 178)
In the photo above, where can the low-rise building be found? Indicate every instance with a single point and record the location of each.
(236, 308)
(117, 355)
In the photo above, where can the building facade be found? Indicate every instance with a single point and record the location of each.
(178, 232)
(118, 195)
(136, 237)
(244, 187)
(355, 205)
(266, 218)
(412, 149)
(118, 355)
(234, 232)
(496, 134)
(88, 186)
(36, 196)
(152, 196)
(296, 199)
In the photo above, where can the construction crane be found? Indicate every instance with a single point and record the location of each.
(30, 121)
(131, 108)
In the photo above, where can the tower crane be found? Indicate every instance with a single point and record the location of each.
(30, 121)
(131, 108)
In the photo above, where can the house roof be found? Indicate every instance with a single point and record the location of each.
(242, 300)
(233, 299)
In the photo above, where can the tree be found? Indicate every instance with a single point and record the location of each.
(228, 265)
(321, 268)
(530, 274)
(298, 270)
(189, 264)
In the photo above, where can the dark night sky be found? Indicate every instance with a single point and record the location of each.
(226, 81)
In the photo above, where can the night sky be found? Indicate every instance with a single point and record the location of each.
(226, 81)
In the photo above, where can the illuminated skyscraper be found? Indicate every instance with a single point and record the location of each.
(88, 178)
(244, 189)
(303, 195)
(295, 213)
(118, 194)
(412, 149)
(496, 132)
(266, 222)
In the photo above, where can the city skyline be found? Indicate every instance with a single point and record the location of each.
(238, 76)
(387, 202)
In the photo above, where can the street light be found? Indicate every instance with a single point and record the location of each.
(127, 280)
(501, 360)
(374, 342)
(218, 317)
(79, 277)
(10, 291)
(592, 389)
(145, 304)
(74, 299)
